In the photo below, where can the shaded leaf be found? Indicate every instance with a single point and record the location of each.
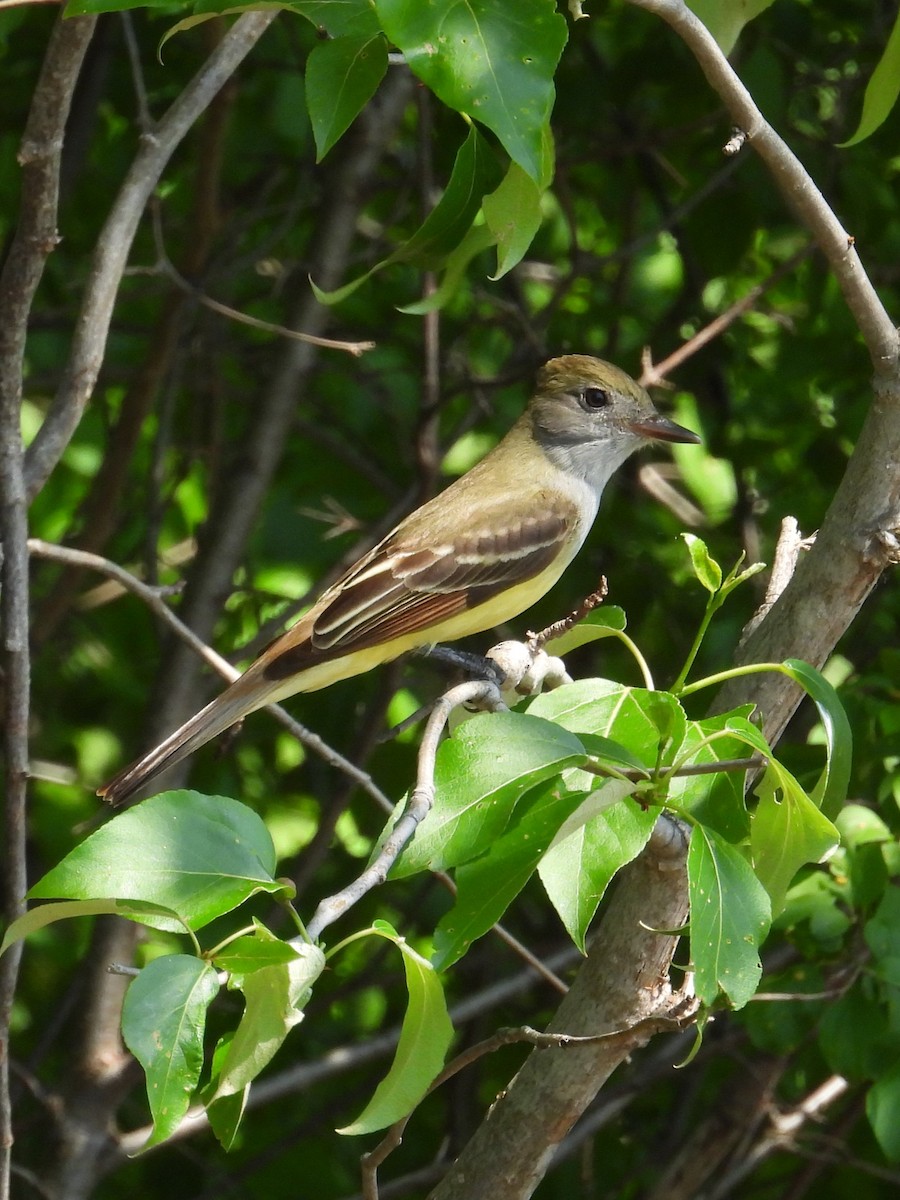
(474, 173)
(726, 18)
(487, 886)
(342, 76)
(274, 997)
(586, 856)
(163, 1020)
(513, 215)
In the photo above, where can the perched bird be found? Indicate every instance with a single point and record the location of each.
(475, 556)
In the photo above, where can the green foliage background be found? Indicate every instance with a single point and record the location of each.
(647, 234)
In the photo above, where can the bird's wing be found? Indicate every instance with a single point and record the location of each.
(403, 586)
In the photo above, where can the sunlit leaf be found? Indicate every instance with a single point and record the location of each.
(493, 62)
(198, 856)
(425, 1035)
(730, 916)
(787, 832)
(481, 773)
(882, 89)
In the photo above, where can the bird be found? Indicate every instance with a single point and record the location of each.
(475, 556)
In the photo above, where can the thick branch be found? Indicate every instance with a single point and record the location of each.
(623, 982)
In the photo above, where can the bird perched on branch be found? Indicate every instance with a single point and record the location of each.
(475, 556)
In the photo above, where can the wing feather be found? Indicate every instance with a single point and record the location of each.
(402, 587)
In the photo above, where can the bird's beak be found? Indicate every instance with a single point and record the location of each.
(660, 429)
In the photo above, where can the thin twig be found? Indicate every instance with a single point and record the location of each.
(672, 1021)
(357, 349)
(653, 375)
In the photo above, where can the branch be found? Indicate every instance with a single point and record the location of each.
(153, 598)
(860, 535)
(622, 984)
(792, 179)
(114, 244)
(34, 239)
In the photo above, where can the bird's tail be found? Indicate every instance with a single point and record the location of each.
(226, 710)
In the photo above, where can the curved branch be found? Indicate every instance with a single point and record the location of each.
(792, 179)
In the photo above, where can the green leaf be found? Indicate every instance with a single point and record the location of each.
(831, 790)
(474, 173)
(253, 951)
(477, 239)
(79, 8)
(883, 1111)
(65, 910)
(480, 775)
(198, 856)
(730, 917)
(224, 1115)
(589, 850)
(787, 832)
(630, 716)
(201, 14)
(716, 800)
(274, 997)
(726, 18)
(493, 62)
(882, 932)
(486, 887)
(339, 18)
(600, 623)
(882, 89)
(163, 1019)
(860, 826)
(705, 567)
(342, 76)
(513, 215)
(425, 1035)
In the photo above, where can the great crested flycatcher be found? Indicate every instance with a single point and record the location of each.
(473, 557)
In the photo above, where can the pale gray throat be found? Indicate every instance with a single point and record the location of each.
(593, 462)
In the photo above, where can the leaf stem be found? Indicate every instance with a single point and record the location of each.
(731, 673)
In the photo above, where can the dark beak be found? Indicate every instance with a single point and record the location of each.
(661, 429)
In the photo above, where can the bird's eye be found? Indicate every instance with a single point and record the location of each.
(595, 397)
